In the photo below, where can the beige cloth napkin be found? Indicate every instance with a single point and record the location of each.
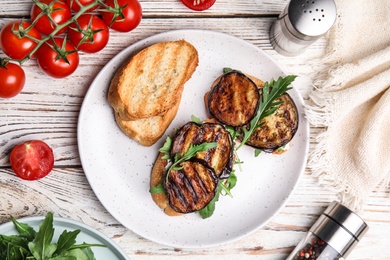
(351, 101)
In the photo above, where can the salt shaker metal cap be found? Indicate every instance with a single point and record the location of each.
(301, 23)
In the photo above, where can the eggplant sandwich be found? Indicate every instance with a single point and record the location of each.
(195, 164)
(191, 172)
(234, 100)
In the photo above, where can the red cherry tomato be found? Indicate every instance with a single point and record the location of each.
(59, 11)
(12, 79)
(32, 160)
(59, 62)
(14, 45)
(91, 35)
(198, 5)
(76, 7)
(126, 17)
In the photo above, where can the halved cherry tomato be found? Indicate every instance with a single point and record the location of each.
(17, 45)
(59, 11)
(198, 5)
(76, 7)
(125, 15)
(12, 79)
(32, 160)
(58, 59)
(90, 33)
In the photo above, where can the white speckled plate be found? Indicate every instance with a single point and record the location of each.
(118, 169)
(87, 234)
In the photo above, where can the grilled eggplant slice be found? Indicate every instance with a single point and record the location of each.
(277, 129)
(220, 158)
(191, 187)
(234, 99)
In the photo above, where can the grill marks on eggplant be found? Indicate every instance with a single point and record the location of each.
(232, 102)
(191, 187)
(234, 99)
(220, 158)
(278, 129)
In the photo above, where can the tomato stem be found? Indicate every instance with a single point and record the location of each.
(47, 9)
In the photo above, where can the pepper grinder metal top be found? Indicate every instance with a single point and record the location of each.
(300, 24)
(340, 227)
(333, 236)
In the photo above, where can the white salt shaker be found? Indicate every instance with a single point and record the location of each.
(300, 24)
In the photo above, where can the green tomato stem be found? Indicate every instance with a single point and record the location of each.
(83, 9)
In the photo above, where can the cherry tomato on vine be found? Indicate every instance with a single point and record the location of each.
(18, 46)
(125, 16)
(58, 59)
(59, 11)
(76, 7)
(32, 160)
(198, 5)
(90, 33)
(12, 79)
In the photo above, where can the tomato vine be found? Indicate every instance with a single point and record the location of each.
(64, 16)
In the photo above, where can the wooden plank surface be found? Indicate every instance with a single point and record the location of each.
(48, 109)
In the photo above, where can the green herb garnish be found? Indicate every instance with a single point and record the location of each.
(224, 188)
(166, 149)
(196, 120)
(192, 151)
(268, 105)
(257, 152)
(157, 189)
(33, 245)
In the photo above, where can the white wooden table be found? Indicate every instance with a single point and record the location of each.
(48, 109)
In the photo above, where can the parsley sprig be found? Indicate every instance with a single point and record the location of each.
(33, 245)
(268, 104)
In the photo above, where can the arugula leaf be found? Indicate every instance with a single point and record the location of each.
(89, 253)
(257, 152)
(166, 149)
(267, 106)
(196, 120)
(226, 186)
(158, 189)
(72, 254)
(41, 246)
(192, 151)
(66, 241)
(85, 246)
(24, 229)
(208, 211)
(33, 245)
(13, 247)
(229, 183)
(227, 70)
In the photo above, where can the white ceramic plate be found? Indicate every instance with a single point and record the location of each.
(118, 168)
(87, 235)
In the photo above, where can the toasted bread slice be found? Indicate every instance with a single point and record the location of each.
(147, 131)
(152, 80)
(157, 178)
